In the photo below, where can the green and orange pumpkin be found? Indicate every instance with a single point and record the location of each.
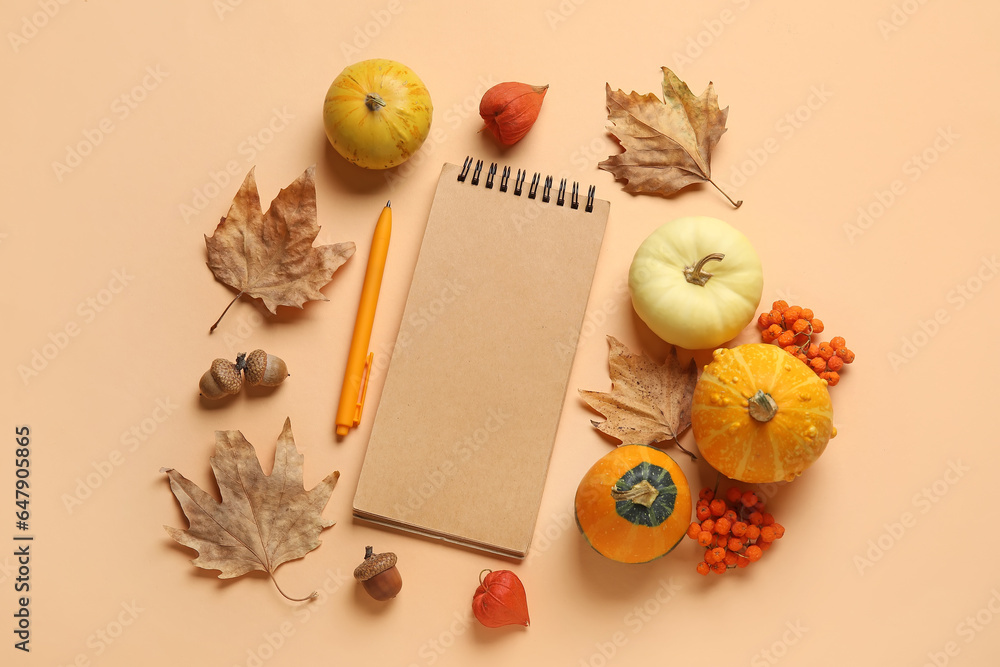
(634, 504)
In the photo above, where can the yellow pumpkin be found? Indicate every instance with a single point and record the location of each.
(760, 415)
(377, 113)
(634, 504)
(696, 282)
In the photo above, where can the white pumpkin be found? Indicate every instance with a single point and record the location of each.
(696, 282)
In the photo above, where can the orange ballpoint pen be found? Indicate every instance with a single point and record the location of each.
(352, 396)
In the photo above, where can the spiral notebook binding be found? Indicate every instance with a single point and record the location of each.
(465, 169)
(536, 180)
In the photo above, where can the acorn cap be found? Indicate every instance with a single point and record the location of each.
(256, 363)
(374, 564)
(227, 375)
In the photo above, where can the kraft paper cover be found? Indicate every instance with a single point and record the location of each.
(467, 419)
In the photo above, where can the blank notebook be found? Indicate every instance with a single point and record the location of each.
(467, 419)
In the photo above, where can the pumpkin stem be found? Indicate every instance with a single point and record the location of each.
(762, 407)
(374, 101)
(642, 493)
(695, 275)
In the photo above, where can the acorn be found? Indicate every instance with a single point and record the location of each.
(378, 574)
(264, 369)
(222, 379)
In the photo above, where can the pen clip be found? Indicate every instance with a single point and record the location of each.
(366, 374)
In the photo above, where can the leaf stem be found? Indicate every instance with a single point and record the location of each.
(305, 599)
(681, 447)
(736, 204)
(224, 312)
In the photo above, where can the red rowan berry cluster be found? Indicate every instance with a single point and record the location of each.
(792, 329)
(734, 529)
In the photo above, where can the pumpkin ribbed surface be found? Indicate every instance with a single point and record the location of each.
(377, 113)
(760, 415)
(634, 504)
(714, 303)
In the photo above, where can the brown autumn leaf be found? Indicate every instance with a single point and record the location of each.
(263, 520)
(648, 402)
(270, 256)
(668, 145)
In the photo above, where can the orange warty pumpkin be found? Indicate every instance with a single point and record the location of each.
(634, 504)
(760, 415)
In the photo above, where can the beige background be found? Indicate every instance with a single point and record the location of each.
(887, 107)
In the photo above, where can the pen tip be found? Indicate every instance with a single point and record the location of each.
(388, 204)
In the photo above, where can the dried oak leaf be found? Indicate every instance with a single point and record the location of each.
(648, 402)
(270, 256)
(668, 145)
(263, 520)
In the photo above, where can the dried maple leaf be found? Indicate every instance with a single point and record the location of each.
(668, 145)
(263, 520)
(648, 402)
(270, 256)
